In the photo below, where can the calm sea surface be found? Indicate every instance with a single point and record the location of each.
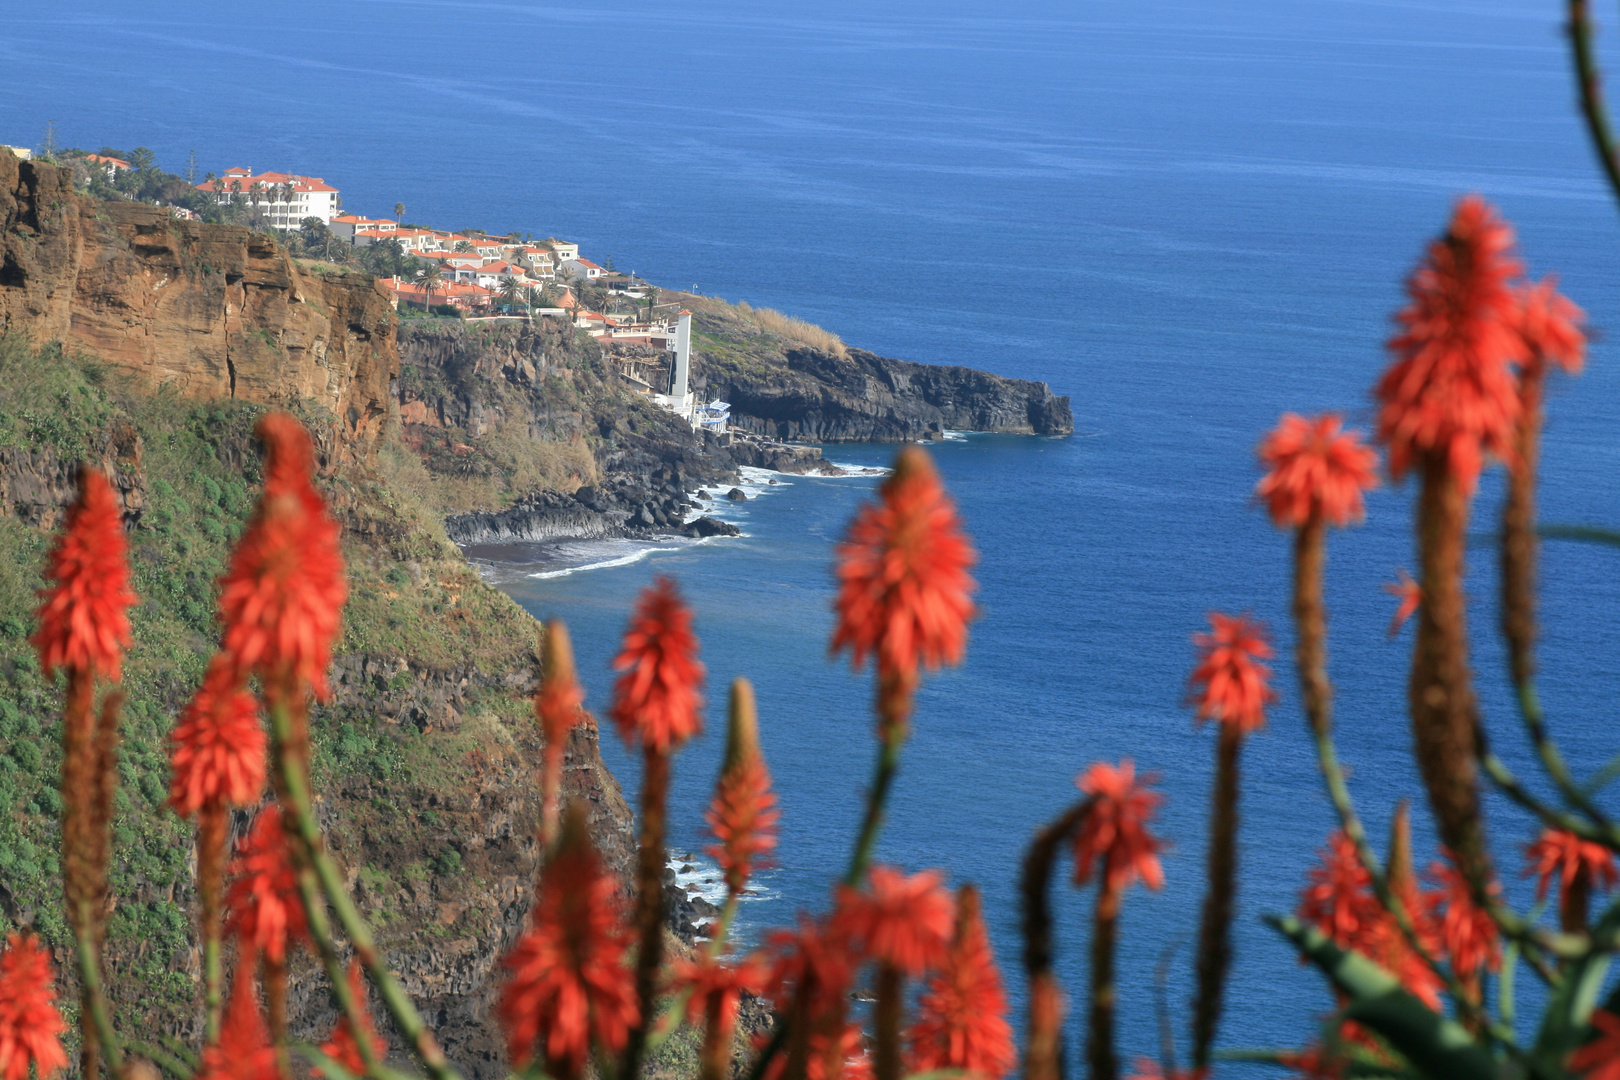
(1189, 217)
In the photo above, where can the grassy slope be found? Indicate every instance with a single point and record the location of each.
(385, 749)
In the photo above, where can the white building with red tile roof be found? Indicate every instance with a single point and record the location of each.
(110, 166)
(349, 224)
(285, 199)
(582, 268)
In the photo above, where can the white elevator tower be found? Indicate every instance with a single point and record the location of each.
(683, 358)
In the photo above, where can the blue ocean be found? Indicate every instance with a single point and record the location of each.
(1189, 217)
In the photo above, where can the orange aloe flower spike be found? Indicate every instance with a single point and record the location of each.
(904, 587)
(217, 750)
(264, 909)
(656, 701)
(1230, 681)
(1560, 852)
(1467, 933)
(281, 598)
(343, 1047)
(1317, 470)
(84, 615)
(1410, 594)
(905, 922)
(30, 1026)
(568, 986)
(243, 1051)
(1114, 838)
(1600, 1058)
(1552, 328)
(961, 1020)
(1452, 389)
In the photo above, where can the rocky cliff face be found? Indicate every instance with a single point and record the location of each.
(211, 311)
(818, 397)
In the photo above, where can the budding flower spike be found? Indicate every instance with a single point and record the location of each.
(558, 707)
(743, 815)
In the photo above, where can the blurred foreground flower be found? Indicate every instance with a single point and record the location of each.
(30, 1026)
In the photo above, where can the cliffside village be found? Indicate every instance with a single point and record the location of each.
(478, 275)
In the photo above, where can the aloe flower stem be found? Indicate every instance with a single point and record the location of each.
(1589, 84)
(296, 801)
(320, 931)
(888, 763)
(1104, 994)
(1310, 619)
(1445, 714)
(212, 827)
(887, 1015)
(1215, 933)
(650, 863)
(715, 1054)
(1043, 1051)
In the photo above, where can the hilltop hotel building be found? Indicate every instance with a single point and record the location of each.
(285, 199)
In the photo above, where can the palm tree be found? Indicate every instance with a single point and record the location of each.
(399, 212)
(462, 247)
(430, 276)
(510, 291)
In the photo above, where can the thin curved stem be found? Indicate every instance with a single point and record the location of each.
(296, 801)
(888, 763)
(1589, 83)
(1043, 1050)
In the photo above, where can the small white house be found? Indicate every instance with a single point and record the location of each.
(582, 268)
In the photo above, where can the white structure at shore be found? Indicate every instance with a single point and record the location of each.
(681, 400)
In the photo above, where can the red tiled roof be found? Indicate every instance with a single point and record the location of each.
(99, 159)
(271, 179)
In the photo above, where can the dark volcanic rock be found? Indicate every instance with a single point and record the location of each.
(708, 526)
(868, 398)
(736, 495)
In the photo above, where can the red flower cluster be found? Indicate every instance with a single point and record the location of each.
(1550, 326)
(1114, 836)
(568, 982)
(743, 818)
(30, 1026)
(1317, 470)
(217, 750)
(1410, 594)
(1451, 391)
(1465, 930)
(1600, 1058)
(904, 922)
(281, 599)
(84, 616)
(264, 909)
(343, 1047)
(656, 699)
(811, 955)
(962, 1016)
(243, 1051)
(1339, 902)
(709, 981)
(1560, 852)
(903, 575)
(1233, 681)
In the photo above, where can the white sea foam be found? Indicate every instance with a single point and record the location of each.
(623, 560)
